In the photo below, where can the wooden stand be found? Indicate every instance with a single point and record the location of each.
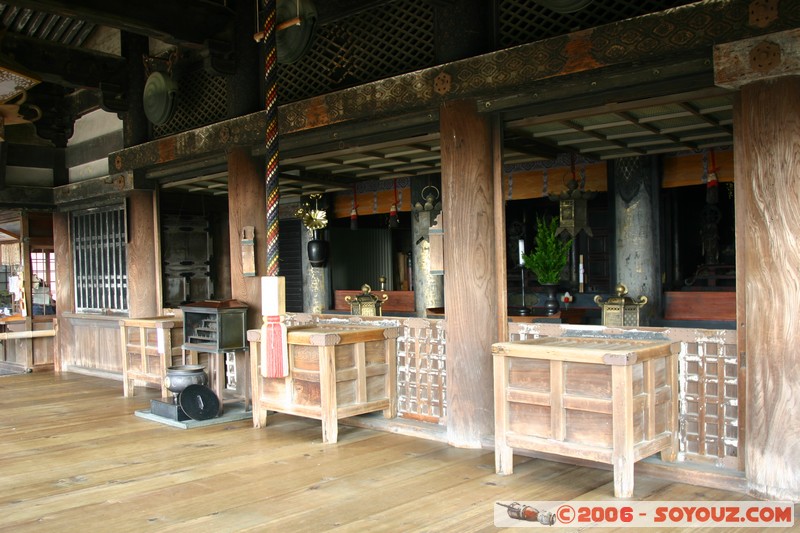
(607, 400)
(149, 346)
(335, 371)
(217, 373)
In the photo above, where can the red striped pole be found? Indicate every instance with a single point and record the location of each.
(271, 106)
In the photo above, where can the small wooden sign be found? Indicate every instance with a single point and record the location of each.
(248, 251)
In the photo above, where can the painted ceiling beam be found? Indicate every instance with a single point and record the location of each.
(63, 65)
(682, 51)
(187, 22)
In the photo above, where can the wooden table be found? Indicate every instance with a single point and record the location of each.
(607, 400)
(335, 371)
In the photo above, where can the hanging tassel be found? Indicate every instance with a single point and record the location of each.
(544, 183)
(712, 184)
(354, 212)
(274, 350)
(393, 221)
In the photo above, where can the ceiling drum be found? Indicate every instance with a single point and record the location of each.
(564, 6)
(160, 91)
(294, 40)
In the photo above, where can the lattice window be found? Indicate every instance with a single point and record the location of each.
(383, 42)
(100, 256)
(421, 371)
(709, 406)
(523, 21)
(201, 100)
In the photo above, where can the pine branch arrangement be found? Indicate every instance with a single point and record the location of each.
(549, 257)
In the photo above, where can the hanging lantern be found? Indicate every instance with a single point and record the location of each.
(573, 207)
(354, 212)
(393, 221)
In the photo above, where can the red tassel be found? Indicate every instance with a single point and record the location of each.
(275, 353)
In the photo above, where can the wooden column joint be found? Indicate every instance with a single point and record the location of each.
(757, 59)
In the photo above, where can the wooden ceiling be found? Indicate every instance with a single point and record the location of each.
(692, 121)
(679, 123)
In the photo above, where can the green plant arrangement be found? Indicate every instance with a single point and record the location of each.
(549, 256)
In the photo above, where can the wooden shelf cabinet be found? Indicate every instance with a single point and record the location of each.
(611, 401)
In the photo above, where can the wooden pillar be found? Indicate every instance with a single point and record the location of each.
(142, 272)
(246, 207)
(135, 128)
(65, 287)
(26, 346)
(767, 187)
(470, 278)
(636, 199)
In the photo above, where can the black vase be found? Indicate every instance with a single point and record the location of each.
(317, 252)
(551, 304)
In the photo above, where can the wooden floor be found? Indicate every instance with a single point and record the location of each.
(74, 457)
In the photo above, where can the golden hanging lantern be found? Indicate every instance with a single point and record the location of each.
(573, 209)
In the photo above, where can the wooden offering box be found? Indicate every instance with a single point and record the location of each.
(335, 371)
(607, 400)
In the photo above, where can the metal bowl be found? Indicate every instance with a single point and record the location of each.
(181, 376)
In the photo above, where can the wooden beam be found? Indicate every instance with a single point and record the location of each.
(761, 58)
(188, 22)
(524, 75)
(9, 234)
(214, 139)
(93, 190)
(519, 70)
(65, 65)
(26, 198)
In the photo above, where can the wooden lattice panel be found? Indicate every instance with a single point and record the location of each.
(379, 43)
(522, 21)
(421, 371)
(200, 101)
(709, 405)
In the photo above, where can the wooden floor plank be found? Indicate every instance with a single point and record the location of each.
(73, 452)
